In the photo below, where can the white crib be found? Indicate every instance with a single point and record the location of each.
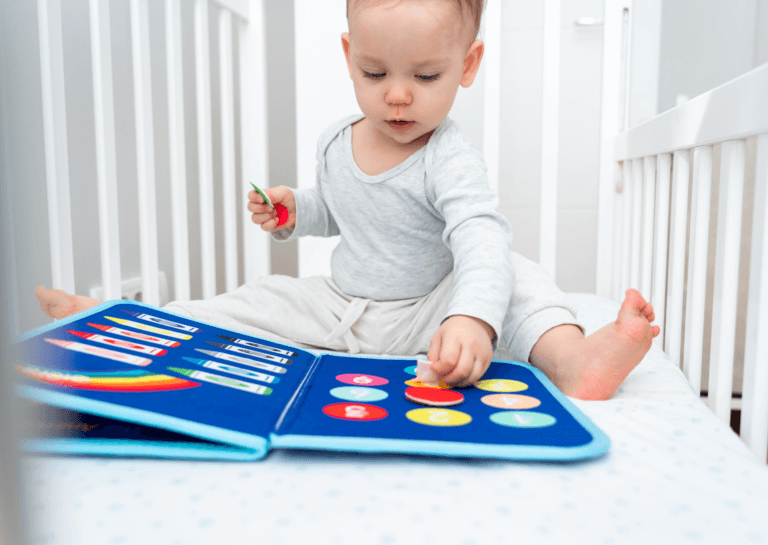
(643, 235)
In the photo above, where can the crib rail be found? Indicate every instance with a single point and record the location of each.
(661, 160)
(240, 18)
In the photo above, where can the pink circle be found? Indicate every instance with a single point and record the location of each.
(359, 379)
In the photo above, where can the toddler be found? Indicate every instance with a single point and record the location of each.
(423, 263)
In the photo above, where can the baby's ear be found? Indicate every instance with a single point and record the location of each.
(472, 62)
(345, 43)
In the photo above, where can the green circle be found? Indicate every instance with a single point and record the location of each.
(523, 419)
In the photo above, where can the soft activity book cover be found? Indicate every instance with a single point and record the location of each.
(129, 379)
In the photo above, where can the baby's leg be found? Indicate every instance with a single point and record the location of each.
(540, 327)
(60, 304)
(593, 367)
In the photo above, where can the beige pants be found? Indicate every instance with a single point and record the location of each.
(314, 313)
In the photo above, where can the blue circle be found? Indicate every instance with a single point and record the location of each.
(411, 370)
(523, 419)
(357, 393)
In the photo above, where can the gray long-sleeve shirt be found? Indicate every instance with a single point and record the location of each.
(405, 230)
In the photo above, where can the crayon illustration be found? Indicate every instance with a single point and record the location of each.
(223, 381)
(161, 321)
(242, 361)
(136, 347)
(151, 329)
(101, 352)
(259, 346)
(134, 335)
(253, 375)
(254, 353)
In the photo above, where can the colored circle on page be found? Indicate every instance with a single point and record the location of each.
(411, 370)
(510, 401)
(501, 385)
(418, 384)
(357, 393)
(439, 417)
(523, 419)
(357, 379)
(358, 412)
(434, 396)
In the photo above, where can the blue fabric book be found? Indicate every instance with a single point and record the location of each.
(128, 379)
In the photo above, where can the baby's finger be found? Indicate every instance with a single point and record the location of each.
(463, 369)
(434, 348)
(270, 225)
(478, 370)
(256, 208)
(447, 358)
(259, 219)
(253, 196)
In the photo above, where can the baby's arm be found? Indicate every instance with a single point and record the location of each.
(461, 350)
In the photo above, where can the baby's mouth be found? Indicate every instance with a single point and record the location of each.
(400, 125)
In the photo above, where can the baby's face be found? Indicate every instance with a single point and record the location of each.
(407, 60)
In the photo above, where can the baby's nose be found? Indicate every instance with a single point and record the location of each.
(398, 95)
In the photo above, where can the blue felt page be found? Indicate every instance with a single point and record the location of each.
(156, 394)
(553, 429)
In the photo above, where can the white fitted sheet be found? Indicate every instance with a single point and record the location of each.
(674, 474)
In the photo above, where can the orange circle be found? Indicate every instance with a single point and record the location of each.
(510, 401)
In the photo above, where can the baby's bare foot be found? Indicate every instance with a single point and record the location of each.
(608, 355)
(60, 304)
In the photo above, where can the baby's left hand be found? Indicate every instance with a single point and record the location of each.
(461, 350)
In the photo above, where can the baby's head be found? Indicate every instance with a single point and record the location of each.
(407, 59)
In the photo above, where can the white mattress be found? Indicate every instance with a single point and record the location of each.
(674, 474)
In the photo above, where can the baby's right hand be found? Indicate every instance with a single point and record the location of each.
(265, 215)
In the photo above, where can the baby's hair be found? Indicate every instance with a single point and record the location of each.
(473, 7)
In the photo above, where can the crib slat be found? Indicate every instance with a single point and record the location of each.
(178, 170)
(228, 148)
(726, 291)
(253, 134)
(649, 196)
(697, 265)
(550, 121)
(626, 230)
(754, 413)
(106, 152)
(145, 150)
(659, 291)
(678, 225)
(55, 138)
(611, 121)
(617, 226)
(492, 20)
(205, 149)
(637, 218)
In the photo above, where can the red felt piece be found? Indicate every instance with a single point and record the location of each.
(435, 397)
(282, 214)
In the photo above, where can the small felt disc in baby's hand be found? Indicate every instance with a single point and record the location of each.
(282, 214)
(434, 397)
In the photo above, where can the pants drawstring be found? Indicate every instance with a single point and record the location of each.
(352, 313)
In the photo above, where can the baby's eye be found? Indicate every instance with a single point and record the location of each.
(433, 77)
(373, 75)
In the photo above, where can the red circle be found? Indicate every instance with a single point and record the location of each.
(282, 214)
(355, 411)
(435, 397)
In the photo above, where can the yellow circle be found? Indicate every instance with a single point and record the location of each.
(501, 385)
(439, 417)
(416, 382)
